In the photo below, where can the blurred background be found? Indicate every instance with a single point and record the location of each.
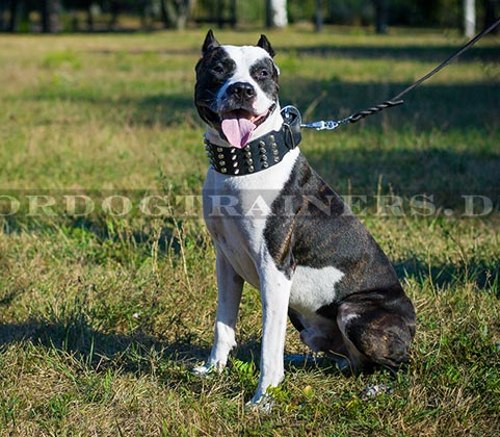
(50, 16)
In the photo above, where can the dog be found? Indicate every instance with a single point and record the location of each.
(278, 226)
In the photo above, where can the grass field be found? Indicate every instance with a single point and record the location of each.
(102, 316)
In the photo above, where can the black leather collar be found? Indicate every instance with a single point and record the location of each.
(260, 154)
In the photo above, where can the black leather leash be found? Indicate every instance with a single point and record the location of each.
(396, 100)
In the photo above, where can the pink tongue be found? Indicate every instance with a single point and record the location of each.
(237, 131)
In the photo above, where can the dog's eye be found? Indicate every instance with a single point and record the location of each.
(264, 74)
(218, 69)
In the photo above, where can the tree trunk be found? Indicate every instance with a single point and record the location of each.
(175, 13)
(219, 6)
(490, 15)
(318, 16)
(90, 20)
(469, 18)
(115, 11)
(165, 16)
(50, 16)
(90, 17)
(381, 16)
(13, 18)
(183, 11)
(3, 8)
(232, 13)
(276, 13)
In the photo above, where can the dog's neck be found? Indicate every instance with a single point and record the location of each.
(273, 123)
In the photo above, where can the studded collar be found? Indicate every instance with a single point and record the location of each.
(259, 154)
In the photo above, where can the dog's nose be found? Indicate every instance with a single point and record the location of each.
(241, 90)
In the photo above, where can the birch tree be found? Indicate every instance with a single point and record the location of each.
(276, 13)
(469, 18)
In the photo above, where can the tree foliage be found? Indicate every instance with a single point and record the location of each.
(54, 15)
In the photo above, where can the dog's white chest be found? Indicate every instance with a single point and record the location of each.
(235, 210)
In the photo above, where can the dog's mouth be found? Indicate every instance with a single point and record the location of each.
(237, 125)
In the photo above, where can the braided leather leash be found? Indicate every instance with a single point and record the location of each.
(396, 100)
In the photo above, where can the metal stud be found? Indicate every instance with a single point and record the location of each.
(271, 137)
(236, 171)
(220, 156)
(276, 159)
(248, 154)
(233, 157)
(233, 150)
(235, 164)
(222, 163)
(276, 153)
(247, 148)
(265, 164)
(274, 145)
(263, 158)
(249, 161)
(220, 149)
(223, 170)
(262, 143)
(251, 169)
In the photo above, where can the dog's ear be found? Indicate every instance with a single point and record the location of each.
(266, 45)
(210, 42)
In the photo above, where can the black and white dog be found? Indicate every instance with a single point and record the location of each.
(277, 225)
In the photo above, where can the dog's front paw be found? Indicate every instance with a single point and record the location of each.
(208, 368)
(203, 370)
(262, 403)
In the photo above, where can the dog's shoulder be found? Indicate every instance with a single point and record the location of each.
(310, 225)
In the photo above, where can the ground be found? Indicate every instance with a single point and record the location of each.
(103, 314)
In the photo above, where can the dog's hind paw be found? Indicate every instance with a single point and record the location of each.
(372, 391)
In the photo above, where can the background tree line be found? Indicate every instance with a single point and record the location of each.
(99, 15)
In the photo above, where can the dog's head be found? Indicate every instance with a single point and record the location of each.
(236, 91)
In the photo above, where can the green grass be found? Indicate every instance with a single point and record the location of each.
(102, 317)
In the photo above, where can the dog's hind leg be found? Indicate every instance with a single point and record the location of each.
(230, 286)
(378, 328)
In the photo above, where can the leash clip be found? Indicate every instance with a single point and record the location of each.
(322, 125)
(292, 117)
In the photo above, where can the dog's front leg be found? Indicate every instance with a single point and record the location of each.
(230, 286)
(275, 294)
